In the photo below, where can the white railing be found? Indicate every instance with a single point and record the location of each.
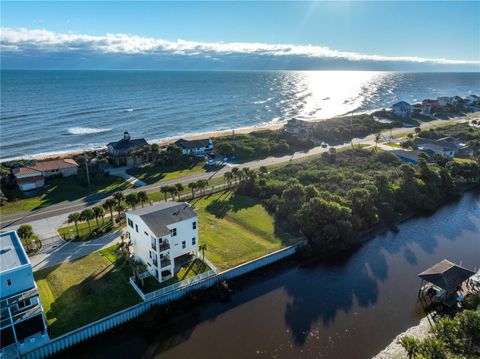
(176, 291)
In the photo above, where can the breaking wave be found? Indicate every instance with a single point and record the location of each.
(87, 130)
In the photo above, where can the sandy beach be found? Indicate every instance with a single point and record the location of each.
(220, 133)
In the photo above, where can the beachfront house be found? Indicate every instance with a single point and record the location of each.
(299, 127)
(163, 236)
(23, 325)
(402, 109)
(429, 107)
(200, 147)
(447, 146)
(32, 177)
(127, 151)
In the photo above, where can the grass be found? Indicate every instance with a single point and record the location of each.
(152, 173)
(59, 190)
(237, 229)
(76, 293)
(84, 234)
(188, 270)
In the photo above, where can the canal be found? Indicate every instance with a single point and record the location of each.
(347, 308)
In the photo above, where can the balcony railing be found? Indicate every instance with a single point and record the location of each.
(164, 246)
(165, 262)
(155, 263)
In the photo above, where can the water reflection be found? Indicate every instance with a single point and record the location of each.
(349, 307)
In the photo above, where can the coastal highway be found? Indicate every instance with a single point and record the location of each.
(80, 204)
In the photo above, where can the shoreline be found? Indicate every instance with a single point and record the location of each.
(208, 134)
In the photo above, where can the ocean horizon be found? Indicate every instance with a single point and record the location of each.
(60, 111)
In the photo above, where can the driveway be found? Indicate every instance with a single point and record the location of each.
(61, 251)
(122, 172)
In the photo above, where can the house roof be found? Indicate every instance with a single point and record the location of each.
(401, 103)
(159, 216)
(188, 144)
(45, 166)
(124, 144)
(446, 275)
(32, 179)
(447, 142)
(12, 254)
(412, 155)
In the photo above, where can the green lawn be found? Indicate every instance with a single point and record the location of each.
(237, 229)
(97, 231)
(187, 271)
(59, 190)
(152, 173)
(87, 289)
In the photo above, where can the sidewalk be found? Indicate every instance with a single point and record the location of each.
(61, 251)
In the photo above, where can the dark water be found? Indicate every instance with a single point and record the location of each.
(349, 308)
(59, 111)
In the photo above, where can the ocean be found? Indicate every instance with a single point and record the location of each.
(47, 112)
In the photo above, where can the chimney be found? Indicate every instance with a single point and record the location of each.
(126, 136)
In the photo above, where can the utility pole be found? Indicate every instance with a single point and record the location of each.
(233, 140)
(86, 166)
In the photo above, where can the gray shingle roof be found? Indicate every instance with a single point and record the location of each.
(446, 275)
(127, 144)
(159, 216)
(188, 144)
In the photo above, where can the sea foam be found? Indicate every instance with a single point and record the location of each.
(87, 130)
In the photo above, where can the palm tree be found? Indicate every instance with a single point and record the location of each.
(203, 248)
(235, 173)
(192, 186)
(120, 209)
(245, 172)
(74, 217)
(228, 176)
(131, 199)
(378, 136)
(155, 149)
(110, 203)
(263, 170)
(98, 212)
(172, 190)
(25, 231)
(200, 185)
(142, 197)
(165, 190)
(179, 188)
(101, 162)
(119, 197)
(87, 215)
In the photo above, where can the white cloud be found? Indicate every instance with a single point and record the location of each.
(22, 40)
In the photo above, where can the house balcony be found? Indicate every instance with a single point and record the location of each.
(154, 246)
(155, 263)
(165, 262)
(164, 246)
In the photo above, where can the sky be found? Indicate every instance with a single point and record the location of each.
(413, 36)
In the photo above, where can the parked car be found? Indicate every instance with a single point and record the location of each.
(324, 145)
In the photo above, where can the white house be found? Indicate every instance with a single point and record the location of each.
(299, 127)
(195, 147)
(402, 109)
(23, 324)
(162, 233)
(32, 177)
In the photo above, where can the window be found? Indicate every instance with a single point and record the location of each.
(173, 232)
(9, 282)
(146, 233)
(130, 222)
(150, 254)
(136, 227)
(24, 303)
(184, 245)
(194, 225)
(194, 241)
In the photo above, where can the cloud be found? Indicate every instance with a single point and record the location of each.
(18, 41)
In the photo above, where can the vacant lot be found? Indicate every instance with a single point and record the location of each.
(79, 292)
(237, 229)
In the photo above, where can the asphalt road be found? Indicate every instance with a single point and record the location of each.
(80, 204)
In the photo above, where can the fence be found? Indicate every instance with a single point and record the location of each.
(74, 337)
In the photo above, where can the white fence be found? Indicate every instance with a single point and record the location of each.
(100, 326)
